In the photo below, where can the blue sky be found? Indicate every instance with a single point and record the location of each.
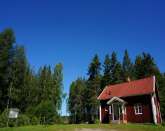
(71, 32)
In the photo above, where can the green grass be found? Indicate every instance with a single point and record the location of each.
(104, 127)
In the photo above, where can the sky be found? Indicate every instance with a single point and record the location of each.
(72, 31)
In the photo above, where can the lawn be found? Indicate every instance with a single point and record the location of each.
(92, 127)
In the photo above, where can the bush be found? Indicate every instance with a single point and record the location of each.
(163, 123)
(23, 120)
(97, 121)
(34, 121)
(3, 119)
(46, 111)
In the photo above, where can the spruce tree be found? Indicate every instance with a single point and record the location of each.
(76, 101)
(116, 70)
(17, 76)
(106, 72)
(7, 40)
(57, 91)
(127, 67)
(161, 88)
(93, 89)
(145, 66)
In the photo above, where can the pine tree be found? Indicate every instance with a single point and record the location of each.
(116, 70)
(127, 67)
(7, 40)
(145, 66)
(76, 101)
(161, 89)
(17, 73)
(57, 92)
(93, 89)
(31, 90)
(107, 72)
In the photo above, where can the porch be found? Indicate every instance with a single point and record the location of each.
(117, 110)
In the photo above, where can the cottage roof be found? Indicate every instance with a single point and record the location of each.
(131, 88)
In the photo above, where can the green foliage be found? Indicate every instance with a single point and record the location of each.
(3, 119)
(45, 111)
(113, 73)
(37, 94)
(106, 72)
(76, 102)
(127, 67)
(116, 69)
(23, 120)
(161, 85)
(7, 40)
(94, 68)
(93, 89)
(34, 121)
(20, 121)
(57, 93)
(145, 66)
(18, 70)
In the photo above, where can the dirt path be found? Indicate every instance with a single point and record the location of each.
(86, 129)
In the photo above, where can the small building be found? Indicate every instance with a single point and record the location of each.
(131, 102)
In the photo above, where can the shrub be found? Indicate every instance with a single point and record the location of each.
(23, 120)
(46, 111)
(3, 119)
(97, 121)
(34, 121)
(163, 123)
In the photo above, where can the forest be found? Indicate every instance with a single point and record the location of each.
(83, 105)
(38, 94)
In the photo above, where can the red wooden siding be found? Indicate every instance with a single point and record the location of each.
(145, 117)
(130, 116)
(158, 116)
(105, 114)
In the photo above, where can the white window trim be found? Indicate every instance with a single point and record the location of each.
(137, 109)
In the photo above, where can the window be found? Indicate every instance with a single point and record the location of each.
(138, 109)
(110, 109)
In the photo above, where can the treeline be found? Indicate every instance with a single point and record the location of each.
(82, 101)
(37, 95)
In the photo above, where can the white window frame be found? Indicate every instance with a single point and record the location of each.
(110, 110)
(138, 108)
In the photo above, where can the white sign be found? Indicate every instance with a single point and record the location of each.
(13, 113)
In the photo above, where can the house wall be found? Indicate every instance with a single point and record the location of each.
(157, 101)
(146, 116)
(158, 114)
(130, 116)
(104, 112)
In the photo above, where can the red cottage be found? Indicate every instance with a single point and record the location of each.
(134, 101)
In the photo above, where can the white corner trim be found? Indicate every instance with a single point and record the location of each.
(153, 108)
(100, 114)
(154, 83)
